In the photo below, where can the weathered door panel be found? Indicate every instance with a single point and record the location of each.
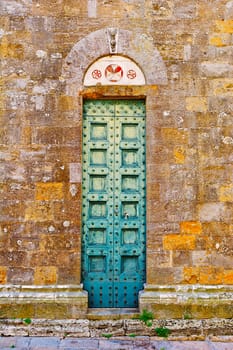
(113, 239)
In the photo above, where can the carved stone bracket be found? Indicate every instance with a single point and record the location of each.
(112, 34)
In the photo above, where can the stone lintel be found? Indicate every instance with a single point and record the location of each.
(99, 91)
(187, 301)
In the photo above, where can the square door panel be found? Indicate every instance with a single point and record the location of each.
(129, 183)
(130, 132)
(129, 264)
(97, 236)
(130, 157)
(129, 236)
(98, 157)
(97, 263)
(97, 183)
(129, 210)
(98, 131)
(97, 210)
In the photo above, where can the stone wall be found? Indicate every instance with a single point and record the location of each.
(189, 137)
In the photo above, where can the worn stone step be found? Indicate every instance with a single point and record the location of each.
(112, 313)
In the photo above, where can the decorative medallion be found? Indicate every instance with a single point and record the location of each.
(113, 73)
(96, 74)
(131, 74)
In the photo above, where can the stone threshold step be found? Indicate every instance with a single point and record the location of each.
(112, 313)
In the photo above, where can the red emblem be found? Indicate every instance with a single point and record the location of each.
(113, 73)
(131, 74)
(96, 74)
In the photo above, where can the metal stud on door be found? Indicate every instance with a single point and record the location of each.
(113, 214)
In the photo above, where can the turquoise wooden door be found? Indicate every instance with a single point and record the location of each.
(114, 208)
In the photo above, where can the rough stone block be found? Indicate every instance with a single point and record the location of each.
(49, 191)
(226, 193)
(222, 87)
(191, 227)
(216, 70)
(20, 275)
(3, 272)
(66, 103)
(75, 172)
(179, 155)
(211, 275)
(224, 26)
(211, 211)
(228, 277)
(45, 275)
(11, 50)
(196, 104)
(174, 136)
(38, 212)
(191, 275)
(181, 258)
(185, 10)
(220, 39)
(179, 242)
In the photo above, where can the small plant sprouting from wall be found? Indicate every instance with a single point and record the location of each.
(132, 335)
(27, 320)
(162, 332)
(187, 316)
(147, 317)
(107, 335)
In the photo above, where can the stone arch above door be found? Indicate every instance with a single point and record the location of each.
(138, 47)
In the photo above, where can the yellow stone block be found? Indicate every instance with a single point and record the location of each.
(222, 87)
(49, 191)
(174, 136)
(38, 212)
(26, 135)
(191, 227)
(203, 275)
(191, 275)
(11, 50)
(225, 26)
(228, 277)
(2, 101)
(3, 275)
(211, 275)
(220, 39)
(216, 41)
(196, 104)
(45, 275)
(179, 155)
(71, 9)
(226, 193)
(66, 103)
(179, 242)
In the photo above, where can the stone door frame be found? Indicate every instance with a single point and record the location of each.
(136, 47)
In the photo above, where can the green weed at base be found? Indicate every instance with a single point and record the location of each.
(132, 335)
(27, 320)
(146, 317)
(107, 335)
(162, 332)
